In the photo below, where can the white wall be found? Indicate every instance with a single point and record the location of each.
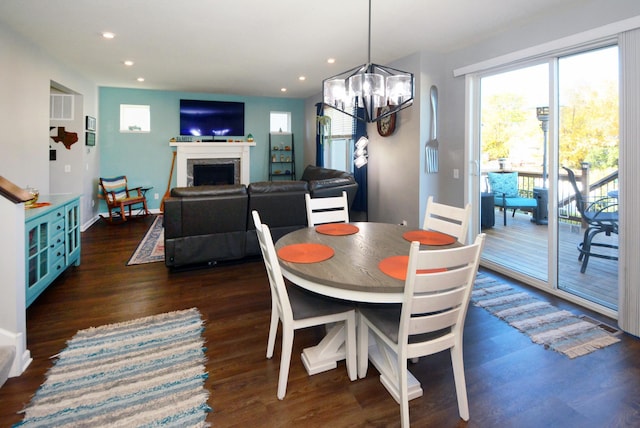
(25, 84)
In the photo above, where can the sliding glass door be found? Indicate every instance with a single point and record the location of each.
(514, 154)
(535, 120)
(588, 147)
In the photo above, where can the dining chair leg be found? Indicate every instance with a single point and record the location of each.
(363, 347)
(273, 330)
(403, 385)
(461, 386)
(350, 347)
(285, 361)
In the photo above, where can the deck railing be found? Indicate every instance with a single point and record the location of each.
(602, 188)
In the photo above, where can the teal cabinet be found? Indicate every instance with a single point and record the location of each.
(52, 241)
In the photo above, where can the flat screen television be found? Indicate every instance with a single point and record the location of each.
(200, 118)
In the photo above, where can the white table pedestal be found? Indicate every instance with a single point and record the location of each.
(326, 354)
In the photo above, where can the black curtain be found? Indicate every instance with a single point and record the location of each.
(360, 174)
(319, 149)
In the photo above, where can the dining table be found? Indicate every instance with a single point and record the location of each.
(361, 262)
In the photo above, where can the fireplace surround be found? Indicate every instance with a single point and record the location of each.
(212, 153)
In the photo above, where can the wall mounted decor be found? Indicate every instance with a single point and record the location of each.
(90, 138)
(90, 123)
(66, 138)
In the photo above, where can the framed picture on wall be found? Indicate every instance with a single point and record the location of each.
(91, 123)
(90, 138)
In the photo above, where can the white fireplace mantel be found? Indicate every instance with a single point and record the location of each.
(229, 150)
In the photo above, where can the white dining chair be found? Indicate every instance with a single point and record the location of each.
(334, 209)
(297, 308)
(430, 319)
(443, 218)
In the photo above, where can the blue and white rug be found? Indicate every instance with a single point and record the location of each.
(554, 328)
(142, 373)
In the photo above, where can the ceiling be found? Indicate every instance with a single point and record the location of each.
(252, 47)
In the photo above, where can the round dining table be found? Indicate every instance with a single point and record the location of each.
(353, 273)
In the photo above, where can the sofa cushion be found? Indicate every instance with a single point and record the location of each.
(278, 187)
(209, 190)
(312, 172)
(328, 183)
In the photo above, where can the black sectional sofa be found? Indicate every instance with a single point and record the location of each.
(208, 224)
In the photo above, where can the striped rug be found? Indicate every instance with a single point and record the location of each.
(556, 329)
(142, 373)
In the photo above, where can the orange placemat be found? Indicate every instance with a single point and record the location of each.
(429, 237)
(337, 229)
(305, 253)
(396, 267)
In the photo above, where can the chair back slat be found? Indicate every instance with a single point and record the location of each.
(447, 219)
(423, 304)
(333, 209)
(434, 322)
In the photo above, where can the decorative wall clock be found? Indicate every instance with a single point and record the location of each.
(386, 125)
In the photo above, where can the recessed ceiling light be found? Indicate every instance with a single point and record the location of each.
(331, 60)
(283, 89)
(108, 35)
(302, 78)
(140, 79)
(128, 63)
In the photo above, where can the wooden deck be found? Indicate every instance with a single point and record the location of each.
(522, 246)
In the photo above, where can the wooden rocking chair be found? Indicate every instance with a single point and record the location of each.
(118, 196)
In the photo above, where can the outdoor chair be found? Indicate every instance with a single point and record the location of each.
(504, 186)
(430, 320)
(443, 218)
(601, 216)
(334, 209)
(298, 308)
(118, 196)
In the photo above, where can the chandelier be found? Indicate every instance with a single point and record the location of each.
(370, 91)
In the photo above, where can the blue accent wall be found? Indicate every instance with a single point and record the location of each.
(145, 158)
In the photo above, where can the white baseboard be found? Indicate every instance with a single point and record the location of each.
(23, 355)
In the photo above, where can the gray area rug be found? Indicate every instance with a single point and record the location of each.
(556, 329)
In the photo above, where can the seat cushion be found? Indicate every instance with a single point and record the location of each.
(516, 202)
(115, 187)
(306, 304)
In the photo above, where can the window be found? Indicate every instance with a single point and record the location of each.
(280, 121)
(338, 144)
(135, 118)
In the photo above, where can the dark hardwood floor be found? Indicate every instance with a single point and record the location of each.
(511, 382)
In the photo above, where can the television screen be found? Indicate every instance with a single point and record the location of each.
(211, 118)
